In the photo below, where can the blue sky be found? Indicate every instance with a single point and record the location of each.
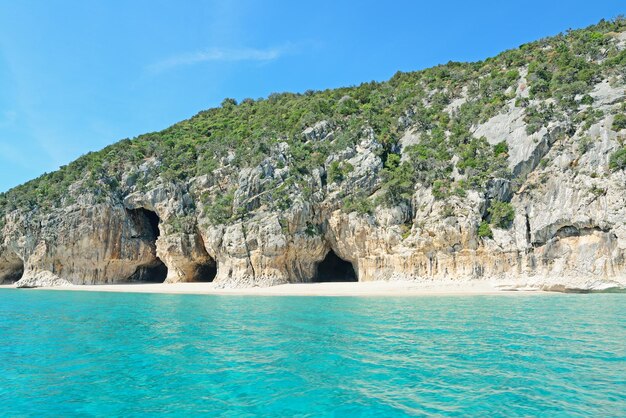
(76, 76)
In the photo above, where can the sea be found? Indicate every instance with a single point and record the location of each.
(93, 354)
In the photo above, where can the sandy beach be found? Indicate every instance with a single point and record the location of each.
(390, 288)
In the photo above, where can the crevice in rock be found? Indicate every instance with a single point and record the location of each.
(245, 241)
(567, 231)
(572, 231)
(334, 269)
(544, 236)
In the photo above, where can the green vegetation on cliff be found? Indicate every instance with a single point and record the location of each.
(443, 105)
(618, 159)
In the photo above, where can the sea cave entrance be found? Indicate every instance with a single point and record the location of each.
(12, 271)
(147, 222)
(153, 221)
(155, 272)
(334, 269)
(205, 272)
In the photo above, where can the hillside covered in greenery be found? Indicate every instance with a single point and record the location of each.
(563, 68)
(508, 169)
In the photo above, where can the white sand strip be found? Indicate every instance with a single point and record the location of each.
(391, 288)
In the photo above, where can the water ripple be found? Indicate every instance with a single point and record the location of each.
(100, 354)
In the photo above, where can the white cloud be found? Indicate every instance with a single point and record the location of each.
(219, 55)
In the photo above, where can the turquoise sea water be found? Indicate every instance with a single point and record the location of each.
(114, 354)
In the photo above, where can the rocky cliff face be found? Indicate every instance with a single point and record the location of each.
(566, 230)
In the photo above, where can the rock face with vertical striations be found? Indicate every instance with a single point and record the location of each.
(510, 170)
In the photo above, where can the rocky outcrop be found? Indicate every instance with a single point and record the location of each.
(82, 245)
(568, 232)
(41, 279)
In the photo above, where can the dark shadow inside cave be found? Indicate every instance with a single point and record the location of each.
(147, 222)
(153, 221)
(205, 272)
(155, 272)
(334, 269)
(13, 272)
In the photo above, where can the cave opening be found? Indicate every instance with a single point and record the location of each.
(153, 221)
(147, 222)
(334, 269)
(155, 272)
(12, 272)
(205, 272)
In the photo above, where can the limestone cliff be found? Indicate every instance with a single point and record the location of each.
(509, 170)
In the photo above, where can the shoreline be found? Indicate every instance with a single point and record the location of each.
(382, 288)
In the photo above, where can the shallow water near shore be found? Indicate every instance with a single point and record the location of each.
(133, 354)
